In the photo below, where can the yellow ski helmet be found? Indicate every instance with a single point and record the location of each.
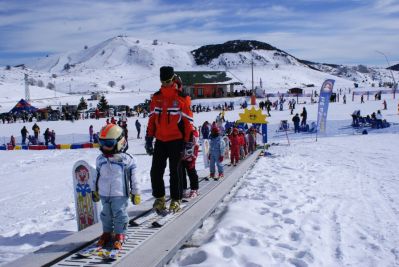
(112, 139)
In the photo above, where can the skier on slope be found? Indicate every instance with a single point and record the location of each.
(169, 122)
(115, 182)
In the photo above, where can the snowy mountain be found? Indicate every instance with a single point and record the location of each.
(126, 64)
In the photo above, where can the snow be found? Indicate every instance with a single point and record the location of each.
(333, 202)
(327, 203)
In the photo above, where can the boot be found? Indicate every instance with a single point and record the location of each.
(119, 240)
(159, 204)
(193, 194)
(174, 205)
(104, 239)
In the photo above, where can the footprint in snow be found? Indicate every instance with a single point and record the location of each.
(195, 258)
(289, 221)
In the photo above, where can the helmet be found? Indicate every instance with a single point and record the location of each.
(112, 139)
(215, 129)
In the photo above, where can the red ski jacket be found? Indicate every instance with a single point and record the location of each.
(170, 116)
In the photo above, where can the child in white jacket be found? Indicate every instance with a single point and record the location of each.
(116, 181)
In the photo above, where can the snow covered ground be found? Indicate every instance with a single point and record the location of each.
(333, 202)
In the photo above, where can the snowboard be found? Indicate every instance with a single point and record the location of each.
(84, 175)
(205, 152)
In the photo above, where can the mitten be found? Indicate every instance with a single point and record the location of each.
(135, 198)
(95, 196)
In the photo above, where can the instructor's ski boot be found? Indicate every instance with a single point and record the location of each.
(174, 206)
(104, 239)
(119, 240)
(159, 204)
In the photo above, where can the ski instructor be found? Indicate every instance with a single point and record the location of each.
(170, 122)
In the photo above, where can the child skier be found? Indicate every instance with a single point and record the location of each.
(115, 181)
(234, 147)
(189, 165)
(216, 152)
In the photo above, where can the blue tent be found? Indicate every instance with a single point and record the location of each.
(22, 105)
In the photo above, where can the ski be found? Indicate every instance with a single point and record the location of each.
(140, 220)
(166, 217)
(89, 251)
(109, 255)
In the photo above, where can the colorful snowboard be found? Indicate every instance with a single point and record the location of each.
(87, 211)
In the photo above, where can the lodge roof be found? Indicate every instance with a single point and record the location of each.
(205, 77)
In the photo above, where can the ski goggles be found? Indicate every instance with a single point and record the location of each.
(107, 142)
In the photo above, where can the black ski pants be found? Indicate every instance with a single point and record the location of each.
(192, 175)
(171, 150)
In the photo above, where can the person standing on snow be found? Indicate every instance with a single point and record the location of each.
(115, 183)
(189, 166)
(36, 131)
(46, 135)
(216, 152)
(304, 116)
(24, 134)
(234, 147)
(138, 128)
(296, 120)
(91, 132)
(52, 137)
(170, 122)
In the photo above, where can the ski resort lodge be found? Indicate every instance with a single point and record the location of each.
(207, 84)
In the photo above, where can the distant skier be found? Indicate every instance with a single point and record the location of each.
(46, 136)
(52, 137)
(304, 116)
(91, 132)
(115, 182)
(138, 128)
(296, 120)
(24, 134)
(36, 130)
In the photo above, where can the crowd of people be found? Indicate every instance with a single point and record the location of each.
(374, 120)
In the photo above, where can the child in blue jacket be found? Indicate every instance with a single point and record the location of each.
(216, 152)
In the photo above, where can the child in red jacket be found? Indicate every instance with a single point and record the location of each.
(234, 147)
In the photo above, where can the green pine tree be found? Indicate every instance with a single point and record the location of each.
(103, 104)
(82, 104)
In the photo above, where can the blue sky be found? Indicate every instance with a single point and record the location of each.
(330, 31)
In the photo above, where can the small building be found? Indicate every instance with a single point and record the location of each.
(295, 91)
(207, 84)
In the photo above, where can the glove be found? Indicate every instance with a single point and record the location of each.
(148, 145)
(188, 151)
(135, 198)
(95, 196)
(220, 158)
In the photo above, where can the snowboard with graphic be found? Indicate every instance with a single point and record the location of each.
(84, 175)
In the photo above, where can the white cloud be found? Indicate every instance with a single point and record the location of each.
(348, 35)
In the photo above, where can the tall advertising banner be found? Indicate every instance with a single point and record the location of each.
(324, 100)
